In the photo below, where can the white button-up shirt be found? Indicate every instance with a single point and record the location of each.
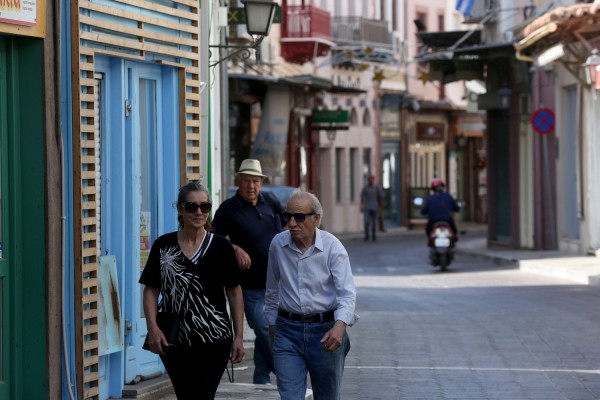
(316, 281)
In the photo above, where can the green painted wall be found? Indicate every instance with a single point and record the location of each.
(26, 242)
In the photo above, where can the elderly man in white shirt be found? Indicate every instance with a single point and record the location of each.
(310, 299)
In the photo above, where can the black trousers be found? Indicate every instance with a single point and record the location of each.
(196, 371)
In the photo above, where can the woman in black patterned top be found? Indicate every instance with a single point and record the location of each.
(205, 339)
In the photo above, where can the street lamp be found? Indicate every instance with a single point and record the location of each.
(592, 70)
(504, 96)
(259, 17)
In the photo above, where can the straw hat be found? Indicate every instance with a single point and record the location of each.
(251, 167)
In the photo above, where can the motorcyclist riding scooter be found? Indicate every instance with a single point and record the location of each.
(440, 228)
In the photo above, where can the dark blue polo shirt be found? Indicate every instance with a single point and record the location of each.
(252, 228)
(439, 207)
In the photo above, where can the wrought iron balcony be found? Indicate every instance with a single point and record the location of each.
(305, 33)
(367, 39)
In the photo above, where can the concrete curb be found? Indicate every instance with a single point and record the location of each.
(156, 388)
(583, 270)
(249, 391)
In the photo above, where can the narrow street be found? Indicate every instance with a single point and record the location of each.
(479, 331)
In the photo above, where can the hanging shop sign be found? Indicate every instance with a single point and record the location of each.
(237, 16)
(330, 119)
(431, 131)
(23, 17)
(19, 12)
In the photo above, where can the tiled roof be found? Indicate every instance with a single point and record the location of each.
(575, 23)
(563, 15)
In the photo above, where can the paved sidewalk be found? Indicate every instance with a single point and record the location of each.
(560, 264)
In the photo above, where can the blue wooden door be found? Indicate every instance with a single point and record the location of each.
(140, 170)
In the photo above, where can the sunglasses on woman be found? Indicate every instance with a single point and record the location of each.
(299, 217)
(192, 207)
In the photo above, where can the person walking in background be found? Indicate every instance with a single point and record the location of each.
(310, 299)
(195, 272)
(371, 202)
(251, 220)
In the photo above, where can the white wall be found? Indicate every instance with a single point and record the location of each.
(591, 144)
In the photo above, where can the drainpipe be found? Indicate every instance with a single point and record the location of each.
(66, 130)
(224, 123)
(205, 133)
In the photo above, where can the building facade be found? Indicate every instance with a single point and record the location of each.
(131, 137)
(482, 51)
(558, 45)
(30, 203)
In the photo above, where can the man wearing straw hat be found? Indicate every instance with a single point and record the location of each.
(251, 220)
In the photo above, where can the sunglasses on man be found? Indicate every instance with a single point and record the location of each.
(192, 207)
(299, 217)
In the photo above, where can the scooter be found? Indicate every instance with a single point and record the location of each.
(441, 245)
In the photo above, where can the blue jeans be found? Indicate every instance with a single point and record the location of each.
(370, 223)
(297, 351)
(254, 305)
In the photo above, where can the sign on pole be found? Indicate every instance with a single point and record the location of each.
(543, 121)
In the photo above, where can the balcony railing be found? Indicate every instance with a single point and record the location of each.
(354, 30)
(306, 22)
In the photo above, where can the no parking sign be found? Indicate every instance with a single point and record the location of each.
(543, 121)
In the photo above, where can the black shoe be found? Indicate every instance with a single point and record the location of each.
(374, 238)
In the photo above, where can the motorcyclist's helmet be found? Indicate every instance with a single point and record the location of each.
(437, 185)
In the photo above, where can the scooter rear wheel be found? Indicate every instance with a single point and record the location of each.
(443, 262)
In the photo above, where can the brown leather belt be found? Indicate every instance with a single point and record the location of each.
(307, 318)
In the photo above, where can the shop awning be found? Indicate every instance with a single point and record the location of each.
(463, 63)
(292, 75)
(563, 25)
(309, 81)
(443, 40)
(319, 83)
(458, 55)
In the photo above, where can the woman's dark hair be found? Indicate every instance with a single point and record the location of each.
(184, 191)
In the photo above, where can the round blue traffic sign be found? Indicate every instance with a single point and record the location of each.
(543, 121)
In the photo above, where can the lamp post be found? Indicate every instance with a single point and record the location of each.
(259, 17)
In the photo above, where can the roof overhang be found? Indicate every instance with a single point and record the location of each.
(318, 83)
(464, 63)
(458, 55)
(311, 82)
(566, 26)
(308, 81)
(437, 40)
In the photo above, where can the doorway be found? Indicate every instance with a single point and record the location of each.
(138, 132)
(390, 181)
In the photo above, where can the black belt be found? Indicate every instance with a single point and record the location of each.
(318, 317)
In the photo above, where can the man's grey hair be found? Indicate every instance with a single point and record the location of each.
(315, 204)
